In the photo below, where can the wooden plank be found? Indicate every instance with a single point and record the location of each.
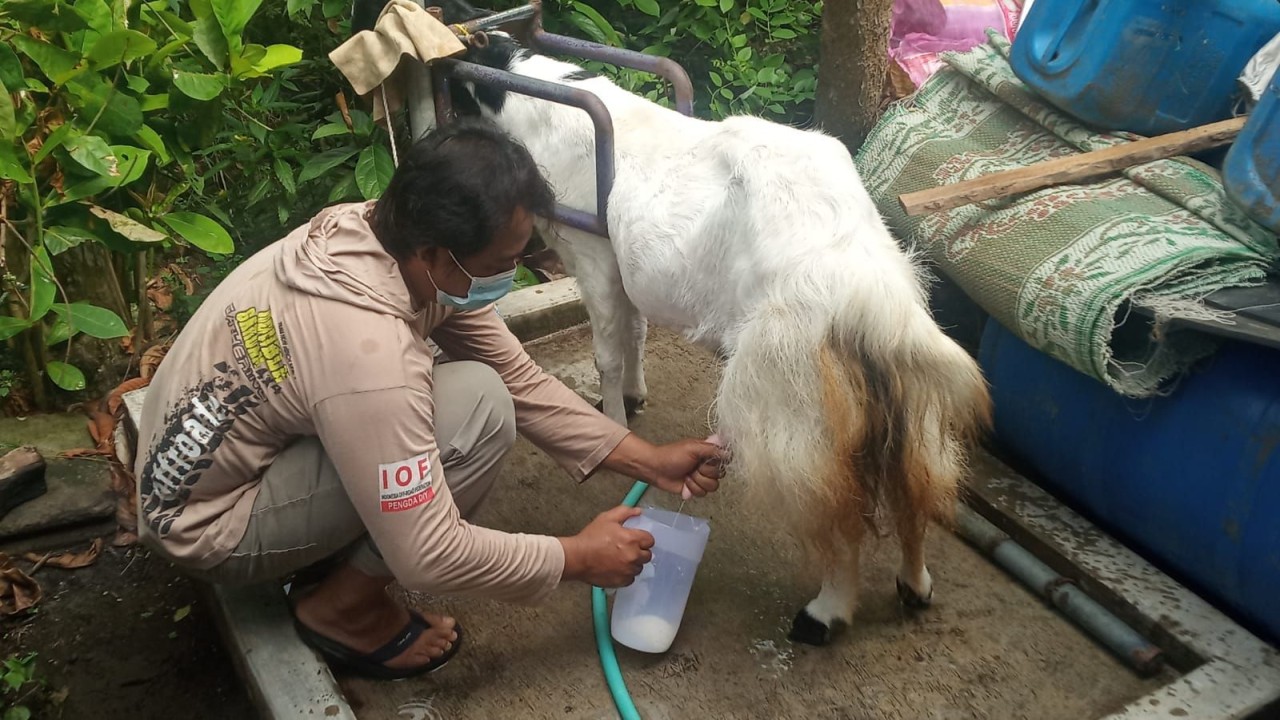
(1067, 170)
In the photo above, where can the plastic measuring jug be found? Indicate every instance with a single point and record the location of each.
(647, 613)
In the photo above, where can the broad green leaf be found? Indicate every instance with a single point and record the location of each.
(199, 85)
(18, 712)
(329, 130)
(54, 141)
(284, 173)
(51, 17)
(137, 83)
(127, 226)
(783, 34)
(13, 167)
(94, 155)
(649, 7)
(120, 46)
(151, 103)
(344, 189)
(181, 613)
(243, 60)
(10, 326)
(92, 320)
(43, 289)
(96, 14)
(373, 171)
(10, 69)
(170, 21)
(121, 116)
(209, 39)
(232, 16)
(706, 3)
(277, 56)
(60, 238)
(67, 377)
(200, 231)
(611, 35)
(57, 64)
(132, 163)
(8, 122)
(156, 62)
(151, 140)
(726, 5)
(324, 162)
(303, 7)
(59, 332)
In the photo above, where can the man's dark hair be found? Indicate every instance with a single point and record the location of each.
(456, 187)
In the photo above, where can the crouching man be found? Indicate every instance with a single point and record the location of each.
(301, 428)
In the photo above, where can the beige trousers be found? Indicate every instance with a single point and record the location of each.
(303, 516)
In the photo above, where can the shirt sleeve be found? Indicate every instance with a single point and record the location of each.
(553, 417)
(382, 443)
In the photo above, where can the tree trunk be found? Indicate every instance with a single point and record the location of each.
(852, 67)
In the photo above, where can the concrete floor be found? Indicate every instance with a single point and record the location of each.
(987, 649)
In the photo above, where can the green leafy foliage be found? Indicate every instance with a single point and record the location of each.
(756, 57)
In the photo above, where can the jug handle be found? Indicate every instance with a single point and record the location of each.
(1048, 58)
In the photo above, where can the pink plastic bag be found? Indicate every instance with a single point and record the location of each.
(922, 29)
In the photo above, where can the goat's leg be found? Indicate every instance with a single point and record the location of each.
(600, 283)
(835, 604)
(634, 390)
(915, 585)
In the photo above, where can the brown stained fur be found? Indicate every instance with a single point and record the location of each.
(880, 466)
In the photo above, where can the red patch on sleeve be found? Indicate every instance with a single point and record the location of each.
(406, 484)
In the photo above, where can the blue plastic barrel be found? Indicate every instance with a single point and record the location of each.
(1190, 481)
(1145, 66)
(1251, 172)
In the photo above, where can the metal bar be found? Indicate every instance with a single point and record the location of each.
(524, 12)
(1136, 651)
(663, 67)
(557, 93)
(442, 100)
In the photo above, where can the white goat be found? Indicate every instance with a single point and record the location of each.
(843, 402)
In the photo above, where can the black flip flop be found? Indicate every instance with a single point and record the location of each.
(371, 664)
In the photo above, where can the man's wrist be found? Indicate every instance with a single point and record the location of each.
(631, 457)
(572, 559)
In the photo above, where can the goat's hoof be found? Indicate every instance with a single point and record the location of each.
(631, 405)
(912, 600)
(809, 630)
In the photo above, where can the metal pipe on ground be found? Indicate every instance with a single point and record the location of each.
(1132, 648)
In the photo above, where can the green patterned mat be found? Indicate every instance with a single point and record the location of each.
(1055, 266)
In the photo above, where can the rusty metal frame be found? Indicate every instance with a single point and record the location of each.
(445, 71)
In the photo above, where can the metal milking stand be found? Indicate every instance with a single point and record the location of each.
(525, 23)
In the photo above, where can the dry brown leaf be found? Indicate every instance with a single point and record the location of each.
(115, 400)
(899, 81)
(68, 560)
(342, 108)
(102, 428)
(188, 284)
(151, 359)
(18, 590)
(159, 293)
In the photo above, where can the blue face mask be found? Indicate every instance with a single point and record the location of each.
(484, 290)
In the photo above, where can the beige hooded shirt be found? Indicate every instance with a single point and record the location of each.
(317, 335)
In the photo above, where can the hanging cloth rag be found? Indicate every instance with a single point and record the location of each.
(370, 59)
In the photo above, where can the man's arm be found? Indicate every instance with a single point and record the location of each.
(382, 444)
(553, 417)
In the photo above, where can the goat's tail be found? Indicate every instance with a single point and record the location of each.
(841, 413)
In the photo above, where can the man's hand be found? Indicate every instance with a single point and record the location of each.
(605, 554)
(689, 468)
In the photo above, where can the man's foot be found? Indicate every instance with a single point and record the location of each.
(353, 610)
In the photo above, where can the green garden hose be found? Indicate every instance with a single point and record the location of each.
(604, 641)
